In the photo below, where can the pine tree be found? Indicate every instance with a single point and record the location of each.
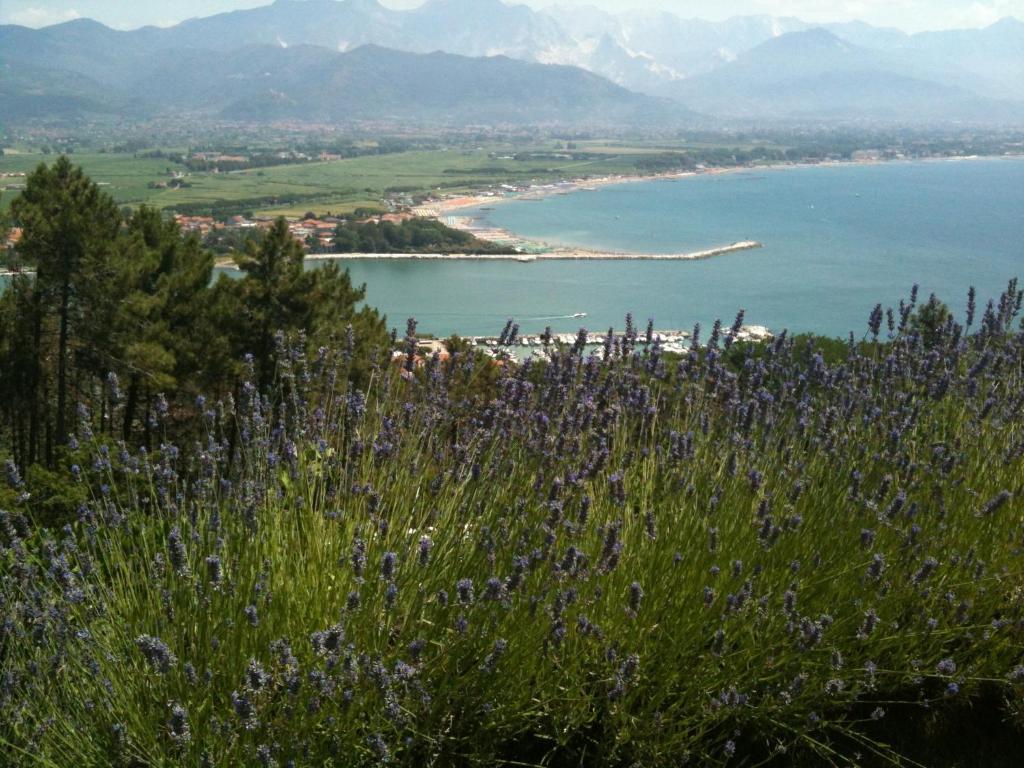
(277, 294)
(160, 341)
(68, 228)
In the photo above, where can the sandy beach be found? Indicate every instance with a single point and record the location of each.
(446, 210)
(440, 208)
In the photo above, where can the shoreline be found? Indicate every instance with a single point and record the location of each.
(529, 250)
(442, 210)
(591, 183)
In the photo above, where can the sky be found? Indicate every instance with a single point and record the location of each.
(909, 15)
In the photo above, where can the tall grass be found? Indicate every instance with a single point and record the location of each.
(749, 554)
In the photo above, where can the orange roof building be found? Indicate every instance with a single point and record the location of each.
(13, 237)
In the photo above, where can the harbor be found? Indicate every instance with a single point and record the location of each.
(539, 347)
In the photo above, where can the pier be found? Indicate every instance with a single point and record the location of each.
(553, 255)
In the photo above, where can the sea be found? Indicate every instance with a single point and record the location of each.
(837, 240)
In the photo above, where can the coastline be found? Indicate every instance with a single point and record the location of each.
(529, 249)
(444, 210)
(590, 183)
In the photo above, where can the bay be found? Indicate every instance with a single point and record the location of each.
(837, 240)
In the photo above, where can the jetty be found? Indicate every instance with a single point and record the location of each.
(553, 255)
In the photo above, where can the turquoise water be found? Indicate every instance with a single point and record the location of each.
(837, 240)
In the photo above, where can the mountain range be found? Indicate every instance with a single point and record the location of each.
(485, 61)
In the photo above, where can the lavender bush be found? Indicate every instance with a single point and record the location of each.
(746, 554)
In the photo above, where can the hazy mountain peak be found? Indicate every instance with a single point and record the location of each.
(1008, 22)
(474, 6)
(815, 37)
(80, 25)
(650, 51)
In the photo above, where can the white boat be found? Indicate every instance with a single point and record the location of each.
(580, 314)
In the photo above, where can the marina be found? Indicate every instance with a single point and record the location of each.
(538, 346)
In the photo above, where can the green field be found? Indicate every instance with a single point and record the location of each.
(124, 176)
(337, 186)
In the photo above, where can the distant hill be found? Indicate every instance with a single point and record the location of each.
(989, 61)
(261, 83)
(959, 75)
(467, 27)
(816, 74)
(374, 83)
(694, 46)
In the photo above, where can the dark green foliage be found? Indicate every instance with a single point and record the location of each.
(929, 320)
(69, 227)
(278, 295)
(413, 236)
(121, 318)
(156, 334)
(224, 209)
(229, 239)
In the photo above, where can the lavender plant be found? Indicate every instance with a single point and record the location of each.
(742, 554)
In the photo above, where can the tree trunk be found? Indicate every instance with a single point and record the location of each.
(62, 363)
(34, 383)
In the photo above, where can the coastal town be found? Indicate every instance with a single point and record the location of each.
(540, 346)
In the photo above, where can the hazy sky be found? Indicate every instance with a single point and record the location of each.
(911, 15)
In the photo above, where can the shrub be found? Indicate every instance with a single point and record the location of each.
(606, 563)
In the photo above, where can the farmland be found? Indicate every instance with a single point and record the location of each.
(338, 186)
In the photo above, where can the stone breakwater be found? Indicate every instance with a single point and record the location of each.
(555, 255)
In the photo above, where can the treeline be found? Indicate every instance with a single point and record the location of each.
(417, 235)
(265, 158)
(256, 160)
(225, 209)
(123, 310)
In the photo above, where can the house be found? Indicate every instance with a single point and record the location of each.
(199, 224)
(425, 351)
(13, 236)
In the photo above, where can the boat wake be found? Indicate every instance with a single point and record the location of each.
(558, 317)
